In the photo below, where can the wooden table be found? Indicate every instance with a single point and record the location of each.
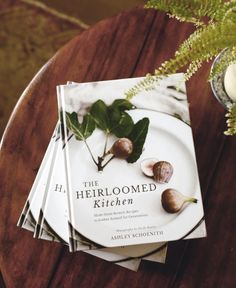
(128, 45)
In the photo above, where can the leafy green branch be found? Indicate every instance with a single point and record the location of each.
(112, 120)
(190, 11)
(215, 22)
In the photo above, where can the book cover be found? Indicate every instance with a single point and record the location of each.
(131, 169)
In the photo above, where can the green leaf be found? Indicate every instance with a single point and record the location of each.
(138, 137)
(88, 126)
(99, 112)
(121, 123)
(114, 115)
(81, 131)
(113, 119)
(73, 125)
(122, 105)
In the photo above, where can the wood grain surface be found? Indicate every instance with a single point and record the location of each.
(128, 45)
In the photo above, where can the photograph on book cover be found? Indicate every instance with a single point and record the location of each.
(138, 182)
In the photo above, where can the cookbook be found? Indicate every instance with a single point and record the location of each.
(130, 163)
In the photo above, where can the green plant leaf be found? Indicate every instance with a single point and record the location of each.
(121, 123)
(88, 125)
(138, 137)
(99, 112)
(73, 125)
(113, 118)
(122, 105)
(81, 131)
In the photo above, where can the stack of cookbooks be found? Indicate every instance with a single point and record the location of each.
(119, 178)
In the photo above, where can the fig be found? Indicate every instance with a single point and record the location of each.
(173, 201)
(122, 148)
(162, 172)
(147, 166)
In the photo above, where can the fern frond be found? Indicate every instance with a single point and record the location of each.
(216, 33)
(227, 58)
(201, 46)
(187, 43)
(190, 10)
(215, 36)
(146, 84)
(229, 11)
(231, 121)
(192, 69)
